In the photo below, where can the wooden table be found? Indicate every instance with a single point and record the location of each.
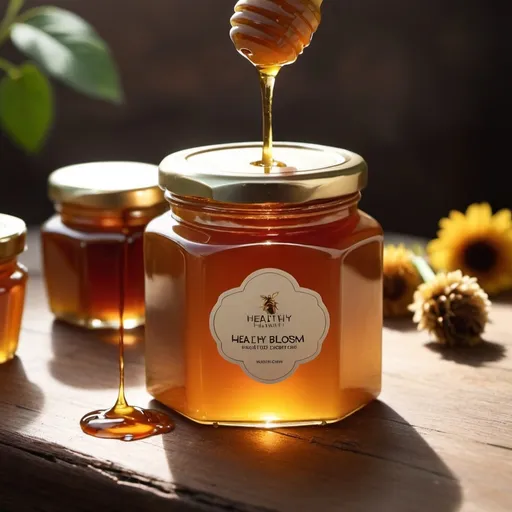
(439, 439)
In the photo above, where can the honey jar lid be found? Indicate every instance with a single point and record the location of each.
(13, 236)
(106, 185)
(224, 173)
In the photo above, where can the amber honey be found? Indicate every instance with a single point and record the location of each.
(13, 279)
(264, 292)
(100, 209)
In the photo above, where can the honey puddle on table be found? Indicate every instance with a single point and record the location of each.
(125, 422)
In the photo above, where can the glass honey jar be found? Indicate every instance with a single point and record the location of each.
(102, 209)
(264, 289)
(13, 280)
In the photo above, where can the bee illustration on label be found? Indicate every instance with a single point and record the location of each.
(269, 303)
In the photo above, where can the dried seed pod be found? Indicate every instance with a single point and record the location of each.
(453, 308)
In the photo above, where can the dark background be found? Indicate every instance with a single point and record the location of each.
(420, 89)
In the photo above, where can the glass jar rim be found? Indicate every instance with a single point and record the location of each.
(225, 173)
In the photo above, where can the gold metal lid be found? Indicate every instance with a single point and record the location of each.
(13, 235)
(106, 185)
(224, 173)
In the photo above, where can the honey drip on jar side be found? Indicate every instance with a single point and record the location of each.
(272, 34)
(123, 421)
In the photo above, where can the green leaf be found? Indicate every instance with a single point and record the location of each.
(26, 106)
(68, 48)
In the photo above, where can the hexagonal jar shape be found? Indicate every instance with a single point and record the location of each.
(93, 246)
(266, 311)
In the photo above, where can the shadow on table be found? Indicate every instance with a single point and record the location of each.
(403, 324)
(503, 298)
(90, 359)
(373, 460)
(486, 352)
(16, 389)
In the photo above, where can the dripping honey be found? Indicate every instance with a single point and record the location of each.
(123, 421)
(264, 290)
(272, 34)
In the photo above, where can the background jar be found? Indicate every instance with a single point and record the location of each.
(264, 290)
(102, 209)
(13, 280)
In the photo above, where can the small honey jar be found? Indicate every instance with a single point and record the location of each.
(13, 280)
(102, 209)
(264, 290)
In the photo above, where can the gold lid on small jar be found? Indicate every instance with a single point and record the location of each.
(13, 236)
(106, 185)
(224, 173)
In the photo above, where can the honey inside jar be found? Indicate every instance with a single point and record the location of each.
(13, 280)
(264, 294)
(100, 207)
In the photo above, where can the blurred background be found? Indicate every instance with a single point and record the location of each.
(420, 89)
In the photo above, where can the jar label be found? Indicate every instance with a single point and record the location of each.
(269, 325)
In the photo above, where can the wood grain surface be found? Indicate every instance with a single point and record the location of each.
(438, 439)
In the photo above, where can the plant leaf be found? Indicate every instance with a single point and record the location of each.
(69, 49)
(26, 106)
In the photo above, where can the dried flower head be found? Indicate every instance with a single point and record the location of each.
(453, 308)
(400, 280)
(478, 243)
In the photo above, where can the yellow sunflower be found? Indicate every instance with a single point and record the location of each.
(478, 243)
(400, 280)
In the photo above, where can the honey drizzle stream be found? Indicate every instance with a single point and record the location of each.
(121, 404)
(123, 421)
(267, 83)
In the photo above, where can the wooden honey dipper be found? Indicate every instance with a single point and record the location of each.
(273, 33)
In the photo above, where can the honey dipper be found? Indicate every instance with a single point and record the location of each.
(273, 33)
